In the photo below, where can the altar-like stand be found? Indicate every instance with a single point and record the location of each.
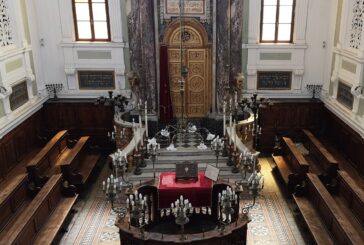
(205, 224)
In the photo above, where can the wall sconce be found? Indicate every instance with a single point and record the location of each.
(358, 91)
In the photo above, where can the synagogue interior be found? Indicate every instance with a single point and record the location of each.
(202, 122)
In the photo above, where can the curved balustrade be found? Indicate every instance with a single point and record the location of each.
(127, 139)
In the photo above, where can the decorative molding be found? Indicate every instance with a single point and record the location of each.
(356, 24)
(6, 38)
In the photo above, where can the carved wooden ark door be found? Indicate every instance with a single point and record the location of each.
(197, 58)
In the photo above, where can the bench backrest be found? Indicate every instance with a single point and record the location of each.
(75, 157)
(294, 157)
(335, 221)
(352, 193)
(12, 198)
(49, 154)
(25, 228)
(319, 151)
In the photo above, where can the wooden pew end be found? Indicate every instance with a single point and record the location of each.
(68, 190)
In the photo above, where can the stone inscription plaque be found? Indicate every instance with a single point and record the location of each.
(344, 95)
(102, 80)
(19, 96)
(192, 7)
(274, 80)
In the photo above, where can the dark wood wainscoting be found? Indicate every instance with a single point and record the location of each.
(287, 118)
(80, 117)
(346, 141)
(19, 143)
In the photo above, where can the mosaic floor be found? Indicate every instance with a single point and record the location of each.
(273, 221)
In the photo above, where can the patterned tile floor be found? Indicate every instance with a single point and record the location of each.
(273, 221)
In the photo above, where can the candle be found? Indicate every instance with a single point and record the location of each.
(236, 99)
(141, 136)
(230, 120)
(224, 117)
(103, 185)
(146, 119)
(234, 135)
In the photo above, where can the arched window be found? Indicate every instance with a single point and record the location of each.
(276, 25)
(91, 19)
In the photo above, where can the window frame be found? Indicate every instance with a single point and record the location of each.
(92, 39)
(276, 24)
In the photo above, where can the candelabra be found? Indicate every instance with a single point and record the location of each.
(152, 149)
(137, 206)
(254, 105)
(118, 101)
(181, 209)
(54, 88)
(120, 162)
(255, 185)
(226, 199)
(112, 189)
(217, 145)
(143, 113)
(314, 88)
(111, 135)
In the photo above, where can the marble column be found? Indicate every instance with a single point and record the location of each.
(142, 49)
(222, 46)
(236, 37)
(229, 34)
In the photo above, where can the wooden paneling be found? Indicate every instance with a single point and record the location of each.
(80, 118)
(286, 118)
(349, 143)
(19, 142)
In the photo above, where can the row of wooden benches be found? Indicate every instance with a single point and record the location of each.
(329, 200)
(35, 203)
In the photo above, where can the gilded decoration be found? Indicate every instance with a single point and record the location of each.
(197, 58)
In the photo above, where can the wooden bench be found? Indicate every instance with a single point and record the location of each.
(78, 165)
(336, 222)
(292, 165)
(352, 195)
(325, 161)
(46, 162)
(13, 197)
(42, 219)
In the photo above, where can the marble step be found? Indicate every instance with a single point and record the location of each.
(163, 166)
(149, 175)
(186, 152)
(167, 161)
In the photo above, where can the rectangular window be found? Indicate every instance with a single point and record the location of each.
(344, 95)
(91, 19)
(276, 24)
(19, 96)
(274, 80)
(96, 80)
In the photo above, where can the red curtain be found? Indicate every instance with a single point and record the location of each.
(165, 103)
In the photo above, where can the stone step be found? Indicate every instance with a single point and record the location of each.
(186, 152)
(149, 175)
(190, 158)
(221, 166)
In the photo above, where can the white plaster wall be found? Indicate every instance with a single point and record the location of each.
(318, 39)
(16, 67)
(53, 30)
(309, 56)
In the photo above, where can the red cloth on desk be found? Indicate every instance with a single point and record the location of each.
(198, 192)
